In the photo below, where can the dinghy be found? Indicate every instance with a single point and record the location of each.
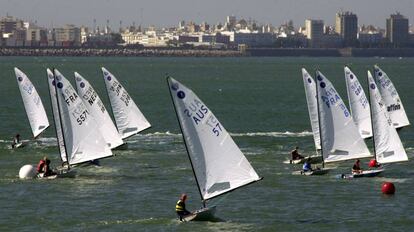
(391, 98)
(56, 116)
(358, 104)
(310, 92)
(32, 104)
(340, 139)
(98, 111)
(219, 166)
(128, 118)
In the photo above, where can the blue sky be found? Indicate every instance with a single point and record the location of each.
(169, 12)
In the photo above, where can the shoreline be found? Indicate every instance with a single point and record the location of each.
(174, 52)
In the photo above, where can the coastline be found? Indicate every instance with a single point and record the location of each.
(177, 52)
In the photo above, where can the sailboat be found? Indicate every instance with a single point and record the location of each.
(98, 111)
(391, 98)
(83, 141)
(56, 116)
(340, 139)
(387, 144)
(358, 104)
(310, 92)
(128, 118)
(219, 166)
(32, 103)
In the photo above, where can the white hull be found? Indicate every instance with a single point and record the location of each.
(367, 173)
(62, 173)
(204, 214)
(315, 159)
(19, 145)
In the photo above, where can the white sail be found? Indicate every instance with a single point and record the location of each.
(218, 163)
(55, 111)
(310, 92)
(32, 104)
(358, 104)
(128, 117)
(97, 109)
(83, 139)
(388, 146)
(391, 98)
(339, 134)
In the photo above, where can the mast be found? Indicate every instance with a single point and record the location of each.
(53, 115)
(372, 121)
(186, 146)
(60, 119)
(319, 117)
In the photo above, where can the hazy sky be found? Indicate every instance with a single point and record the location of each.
(169, 12)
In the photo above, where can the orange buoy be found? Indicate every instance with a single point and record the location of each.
(388, 188)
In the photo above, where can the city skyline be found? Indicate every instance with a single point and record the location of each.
(47, 12)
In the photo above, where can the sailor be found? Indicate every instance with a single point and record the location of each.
(307, 167)
(180, 207)
(356, 168)
(16, 140)
(44, 167)
(295, 154)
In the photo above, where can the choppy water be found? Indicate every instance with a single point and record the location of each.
(260, 100)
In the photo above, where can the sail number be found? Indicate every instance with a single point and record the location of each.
(332, 98)
(198, 112)
(82, 117)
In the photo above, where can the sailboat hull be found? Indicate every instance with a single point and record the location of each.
(60, 173)
(368, 173)
(316, 172)
(315, 159)
(204, 214)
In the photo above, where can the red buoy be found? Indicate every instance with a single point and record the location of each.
(388, 188)
(373, 163)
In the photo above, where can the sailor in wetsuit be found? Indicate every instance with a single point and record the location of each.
(307, 167)
(356, 168)
(180, 207)
(295, 154)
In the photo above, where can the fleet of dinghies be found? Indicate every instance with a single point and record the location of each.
(340, 133)
(85, 131)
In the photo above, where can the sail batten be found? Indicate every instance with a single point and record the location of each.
(391, 98)
(340, 137)
(83, 140)
(128, 118)
(32, 104)
(388, 146)
(218, 164)
(95, 105)
(358, 104)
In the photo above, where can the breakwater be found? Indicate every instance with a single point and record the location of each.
(159, 52)
(180, 52)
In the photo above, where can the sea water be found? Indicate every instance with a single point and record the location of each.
(261, 101)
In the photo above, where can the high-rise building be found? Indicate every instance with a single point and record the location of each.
(10, 24)
(346, 25)
(314, 32)
(397, 30)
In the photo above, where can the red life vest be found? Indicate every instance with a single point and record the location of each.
(40, 166)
